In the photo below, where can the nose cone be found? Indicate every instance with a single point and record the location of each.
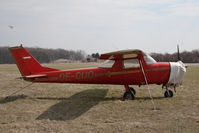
(176, 74)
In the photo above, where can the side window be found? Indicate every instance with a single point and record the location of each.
(107, 64)
(131, 63)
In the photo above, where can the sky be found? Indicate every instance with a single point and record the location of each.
(101, 25)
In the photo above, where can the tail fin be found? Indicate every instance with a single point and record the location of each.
(26, 63)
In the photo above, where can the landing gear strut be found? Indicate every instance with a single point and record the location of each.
(129, 94)
(168, 93)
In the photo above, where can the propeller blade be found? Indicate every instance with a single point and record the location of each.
(179, 59)
(178, 52)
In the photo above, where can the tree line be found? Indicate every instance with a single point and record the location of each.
(44, 55)
(185, 56)
(50, 55)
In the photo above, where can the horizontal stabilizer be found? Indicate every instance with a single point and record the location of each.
(34, 76)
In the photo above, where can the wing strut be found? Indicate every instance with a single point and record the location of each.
(145, 78)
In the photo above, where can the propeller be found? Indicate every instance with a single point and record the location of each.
(178, 52)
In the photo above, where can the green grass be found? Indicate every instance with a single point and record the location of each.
(95, 108)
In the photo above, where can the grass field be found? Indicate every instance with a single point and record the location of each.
(95, 108)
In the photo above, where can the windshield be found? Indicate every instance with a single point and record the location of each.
(107, 64)
(149, 60)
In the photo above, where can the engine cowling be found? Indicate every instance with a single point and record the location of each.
(176, 74)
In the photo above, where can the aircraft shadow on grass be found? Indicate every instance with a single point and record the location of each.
(74, 106)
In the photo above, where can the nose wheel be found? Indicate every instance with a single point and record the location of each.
(129, 93)
(168, 93)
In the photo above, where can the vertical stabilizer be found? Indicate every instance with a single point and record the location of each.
(26, 63)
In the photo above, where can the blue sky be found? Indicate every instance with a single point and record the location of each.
(101, 25)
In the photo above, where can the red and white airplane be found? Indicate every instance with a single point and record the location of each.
(127, 67)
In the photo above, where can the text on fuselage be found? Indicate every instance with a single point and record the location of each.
(84, 75)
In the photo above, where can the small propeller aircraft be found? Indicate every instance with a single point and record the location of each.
(126, 67)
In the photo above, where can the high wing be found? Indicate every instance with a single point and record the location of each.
(122, 54)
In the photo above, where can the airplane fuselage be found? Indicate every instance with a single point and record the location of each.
(157, 73)
(128, 67)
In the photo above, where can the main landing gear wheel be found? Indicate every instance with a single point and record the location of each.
(133, 90)
(168, 93)
(128, 95)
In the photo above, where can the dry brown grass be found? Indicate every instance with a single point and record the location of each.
(95, 108)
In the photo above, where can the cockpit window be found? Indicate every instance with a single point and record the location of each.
(107, 64)
(149, 60)
(131, 63)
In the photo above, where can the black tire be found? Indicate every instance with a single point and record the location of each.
(168, 93)
(133, 90)
(128, 95)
